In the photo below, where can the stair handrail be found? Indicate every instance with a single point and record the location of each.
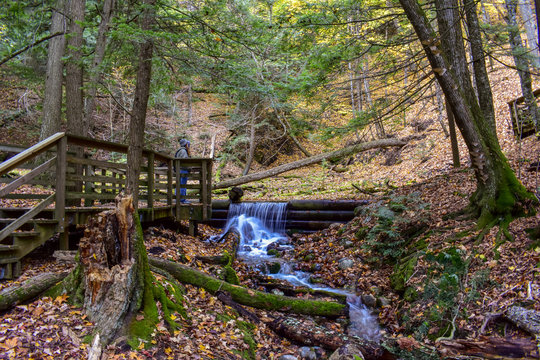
(29, 153)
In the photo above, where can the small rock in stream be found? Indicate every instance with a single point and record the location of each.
(369, 300)
(347, 352)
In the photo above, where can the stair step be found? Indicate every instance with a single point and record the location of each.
(9, 260)
(8, 248)
(34, 221)
(25, 233)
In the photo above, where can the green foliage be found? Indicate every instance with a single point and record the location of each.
(385, 240)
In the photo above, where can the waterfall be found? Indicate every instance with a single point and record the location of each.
(261, 224)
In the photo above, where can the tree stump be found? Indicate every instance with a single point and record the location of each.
(110, 275)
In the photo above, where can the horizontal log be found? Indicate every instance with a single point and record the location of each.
(248, 297)
(338, 215)
(321, 205)
(28, 289)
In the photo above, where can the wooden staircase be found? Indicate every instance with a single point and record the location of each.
(74, 187)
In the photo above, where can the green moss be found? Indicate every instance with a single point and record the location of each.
(402, 272)
(274, 268)
(229, 275)
(273, 252)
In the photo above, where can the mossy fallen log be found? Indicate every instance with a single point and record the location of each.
(28, 289)
(248, 297)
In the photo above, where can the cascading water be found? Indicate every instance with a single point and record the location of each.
(262, 224)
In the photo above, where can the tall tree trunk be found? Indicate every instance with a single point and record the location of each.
(74, 70)
(524, 8)
(483, 87)
(190, 105)
(140, 104)
(52, 102)
(499, 194)
(522, 63)
(74, 81)
(99, 54)
(252, 144)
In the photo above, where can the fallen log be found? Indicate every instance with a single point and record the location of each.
(29, 289)
(311, 334)
(248, 297)
(528, 320)
(490, 348)
(338, 154)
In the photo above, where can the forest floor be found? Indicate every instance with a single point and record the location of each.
(458, 280)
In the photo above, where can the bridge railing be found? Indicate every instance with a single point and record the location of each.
(78, 172)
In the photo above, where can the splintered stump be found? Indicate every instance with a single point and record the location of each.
(110, 274)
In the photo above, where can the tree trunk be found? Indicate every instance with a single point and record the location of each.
(524, 7)
(74, 71)
(338, 154)
(29, 289)
(252, 144)
(248, 297)
(99, 54)
(453, 136)
(521, 62)
(52, 101)
(140, 104)
(499, 194)
(483, 87)
(74, 83)
(111, 275)
(440, 107)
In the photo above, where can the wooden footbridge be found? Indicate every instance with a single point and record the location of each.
(64, 179)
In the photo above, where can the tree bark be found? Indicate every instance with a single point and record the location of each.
(528, 320)
(29, 289)
(111, 275)
(140, 104)
(483, 87)
(490, 348)
(499, 195)
(524, 8)
(453, 136)
(74, 70)
(248, 297)
(99, 54)
(52, 101)
(521, 62)
(338, 154)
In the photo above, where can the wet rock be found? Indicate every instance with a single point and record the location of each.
(273, 268)
(347, 352)
(346, 243)
(369, 300)
(309, 257)
(272, 252)
(316, 267)
(345, 264)
(246, 248)
(311, 353)
(277, 292)
(287, 357)
(382, 301)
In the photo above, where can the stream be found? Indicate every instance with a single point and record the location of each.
(262, 227)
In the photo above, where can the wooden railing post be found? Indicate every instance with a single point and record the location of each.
(151, 178)
(177, 187)
(60, 206)
(169, 182)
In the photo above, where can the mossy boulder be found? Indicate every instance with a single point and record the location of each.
(402, 272)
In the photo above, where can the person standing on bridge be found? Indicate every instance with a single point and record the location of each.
(183, 153)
